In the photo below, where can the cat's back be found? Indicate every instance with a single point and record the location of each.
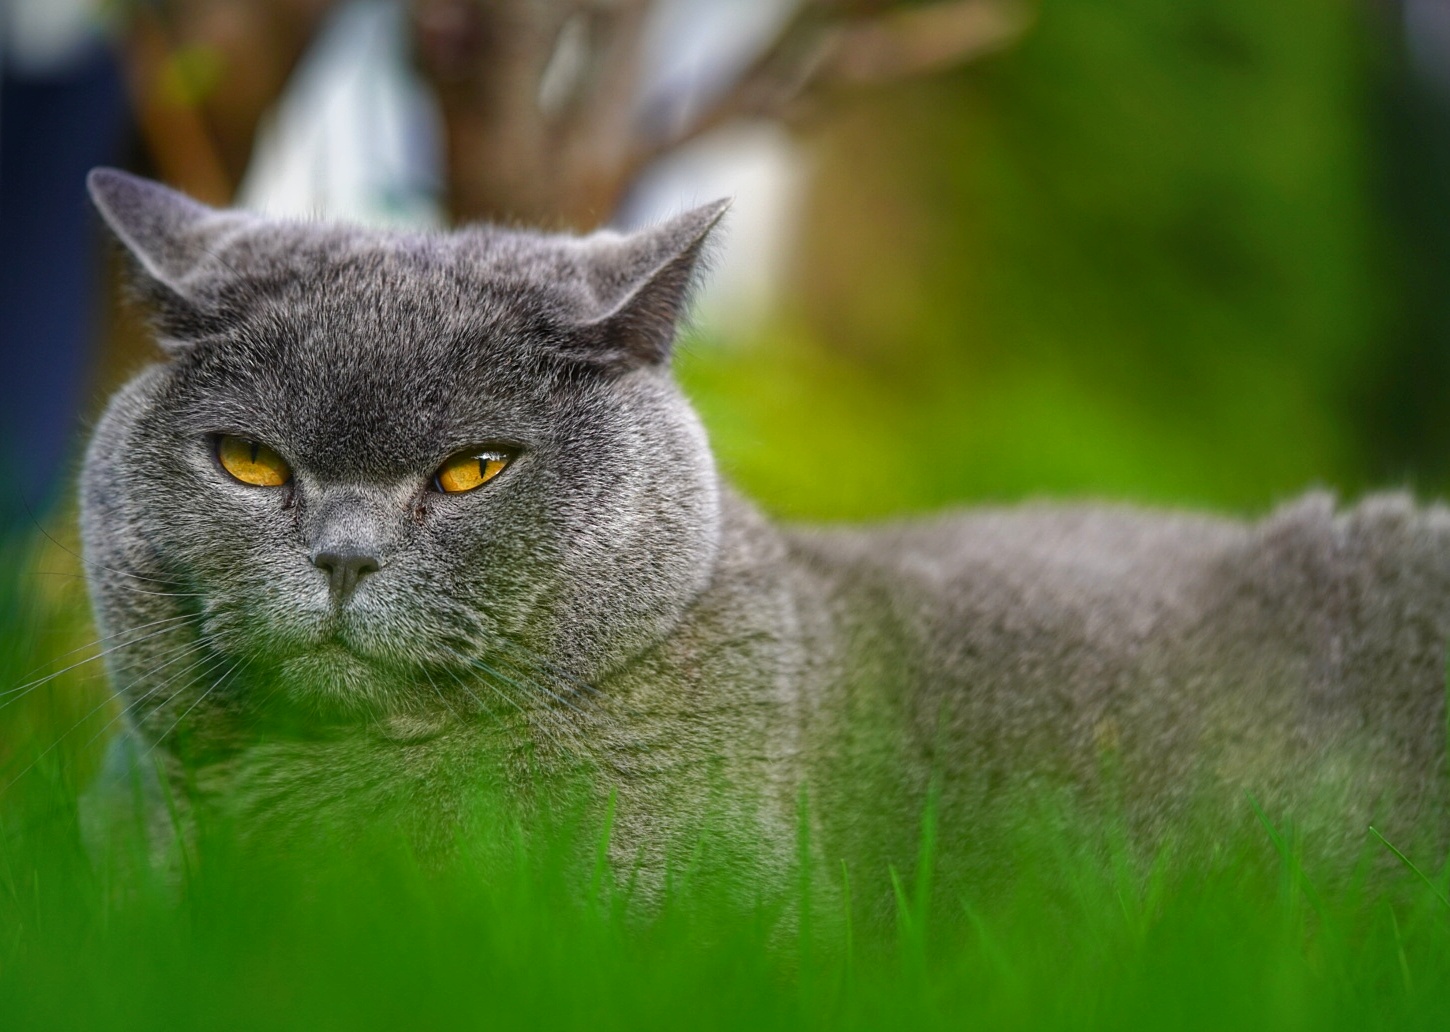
(1121, 569)
(1035, 568)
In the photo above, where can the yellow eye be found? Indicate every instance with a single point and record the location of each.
(469, 470)
(252, 463)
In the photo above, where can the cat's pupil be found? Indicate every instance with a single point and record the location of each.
(255, 449)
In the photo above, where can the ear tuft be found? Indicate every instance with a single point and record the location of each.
(643, 281)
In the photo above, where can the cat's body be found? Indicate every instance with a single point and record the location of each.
(608, 606)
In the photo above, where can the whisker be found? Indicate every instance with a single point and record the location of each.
(97, 641)
(55, 744)
(277, 687)
(572, 742)
(509, 681)
(486, 708)
(556, 721)
(26, 689)
(550, 668)
(438, 692)
(167, 594)
(200, 699)
(136, 703)
(88, 562)
(595, 703)
(71, 730)
(137, 591)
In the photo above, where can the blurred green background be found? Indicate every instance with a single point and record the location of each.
(1183, 253)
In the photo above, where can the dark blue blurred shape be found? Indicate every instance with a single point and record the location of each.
(53, 127)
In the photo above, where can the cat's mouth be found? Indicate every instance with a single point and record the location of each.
(336, 642)
(336, 671)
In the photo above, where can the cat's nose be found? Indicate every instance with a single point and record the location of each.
(344, 568)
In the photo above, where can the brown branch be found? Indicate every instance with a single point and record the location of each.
(202, 74)
(920, 40)
(171, 123)
(539, 98)
(600, 126)
(817, 50)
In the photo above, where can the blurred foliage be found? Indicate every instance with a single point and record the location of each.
(1148, 254)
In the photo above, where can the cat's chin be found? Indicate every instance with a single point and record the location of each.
(334, 682)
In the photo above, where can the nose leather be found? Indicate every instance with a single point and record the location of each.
(345, 567)
(350, 530)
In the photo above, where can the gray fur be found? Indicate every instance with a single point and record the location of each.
(638, 618)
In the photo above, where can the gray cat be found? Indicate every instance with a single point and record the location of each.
(399, 514)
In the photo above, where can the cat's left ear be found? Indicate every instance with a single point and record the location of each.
(643, 281)
(171, 239)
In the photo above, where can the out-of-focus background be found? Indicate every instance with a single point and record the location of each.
(1174, 251)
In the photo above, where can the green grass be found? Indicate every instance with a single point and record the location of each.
(1079, 934)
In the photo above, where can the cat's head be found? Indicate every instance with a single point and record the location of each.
(371, 461)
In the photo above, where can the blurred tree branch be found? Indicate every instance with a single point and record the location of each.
(203, 73)
(539, 99)
(817, 50)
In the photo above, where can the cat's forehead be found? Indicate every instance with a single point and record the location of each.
(384, 281)
(370, 354)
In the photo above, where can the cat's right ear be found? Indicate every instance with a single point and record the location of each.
(172, 241)
(641, 283)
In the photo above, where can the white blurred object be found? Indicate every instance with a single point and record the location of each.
(356, 134)
(758, 167)
(1427, 28)
(694, 51)
(46, 37)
